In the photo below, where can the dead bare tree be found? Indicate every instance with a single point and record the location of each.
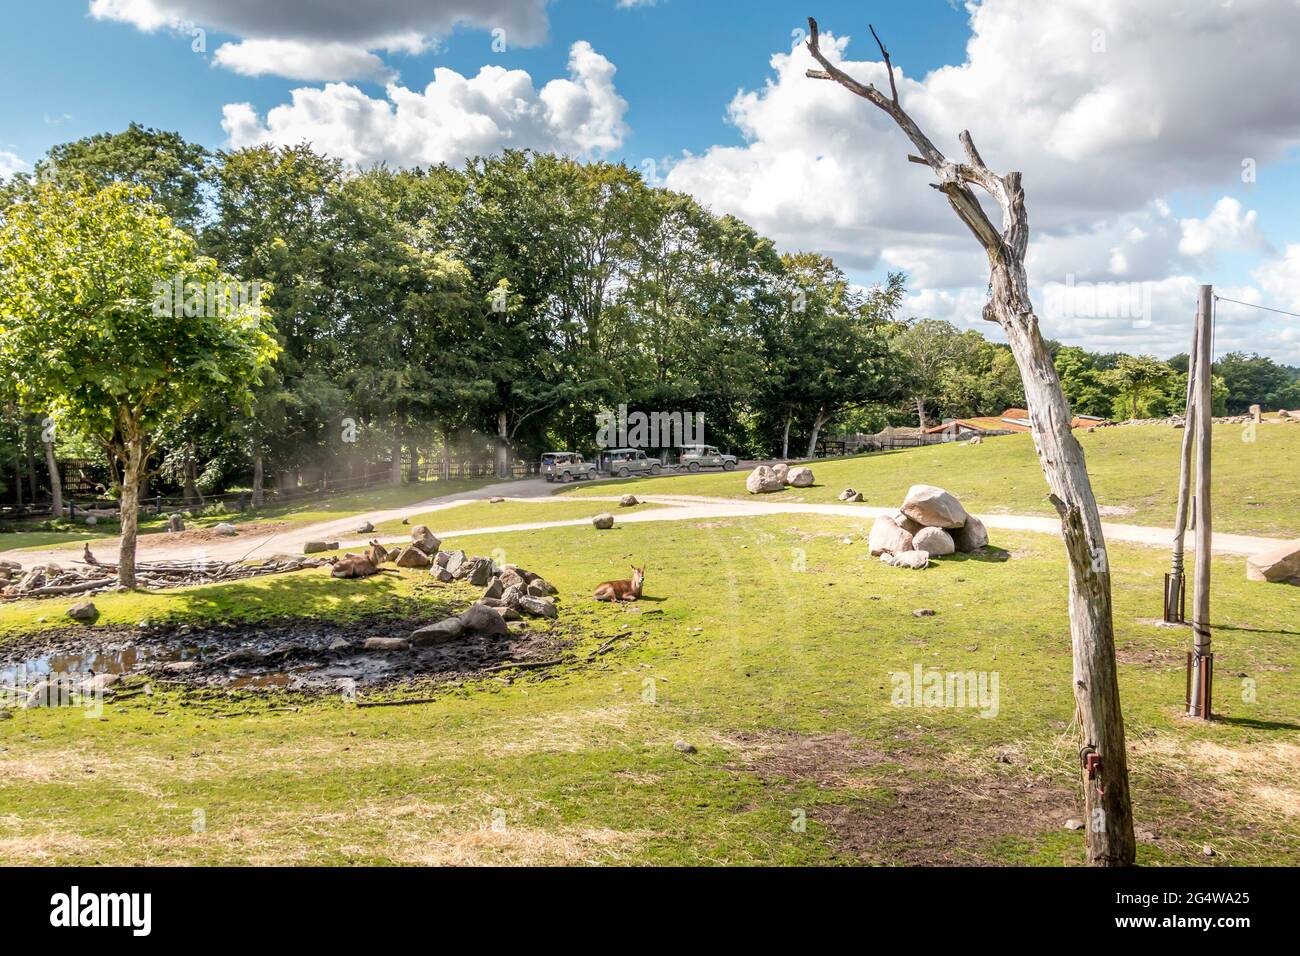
(1104, 765)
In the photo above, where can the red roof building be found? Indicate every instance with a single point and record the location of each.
(1011, 420)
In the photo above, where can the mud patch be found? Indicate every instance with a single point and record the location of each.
(1136, 652)
(292, 654)
(907, 818)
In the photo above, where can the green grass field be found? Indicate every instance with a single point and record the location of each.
(1134, 472)
(768, 645)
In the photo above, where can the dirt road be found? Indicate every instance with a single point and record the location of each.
(250, 544)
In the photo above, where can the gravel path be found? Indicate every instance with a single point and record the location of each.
(682, 508)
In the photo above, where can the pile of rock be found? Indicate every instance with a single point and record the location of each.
(769, 478)
(509, 593)
(930, 524)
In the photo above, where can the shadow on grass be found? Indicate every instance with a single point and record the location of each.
(1254, 630)
(986, 555)
(304, 594)
(1255, 724)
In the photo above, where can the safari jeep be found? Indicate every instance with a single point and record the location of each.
(695, 457)
(566, 466)
(630, 461)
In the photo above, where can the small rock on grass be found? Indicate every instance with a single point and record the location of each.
(683, 747)
(1074, 824)
(538, 607)
(603, 521)
(924, 612)
(84, 611)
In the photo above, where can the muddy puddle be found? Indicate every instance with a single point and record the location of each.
(289, 655)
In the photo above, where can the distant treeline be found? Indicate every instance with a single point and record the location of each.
(497, 309)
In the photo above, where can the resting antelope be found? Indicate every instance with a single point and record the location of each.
(622, 590)
(362, 566)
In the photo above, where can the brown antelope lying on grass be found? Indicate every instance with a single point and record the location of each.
(362, 565)
(622, 590)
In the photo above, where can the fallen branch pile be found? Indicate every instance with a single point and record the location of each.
(94, 577)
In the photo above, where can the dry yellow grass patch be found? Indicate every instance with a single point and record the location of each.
(407, 832)
(1258, 780)
(24, 842)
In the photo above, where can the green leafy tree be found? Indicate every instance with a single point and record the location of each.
(1256, 380)
(172, 169)
(278, 221)
(1135, 379)
(89, 327)
(827, 351)
(930, 350)
(1086, 387)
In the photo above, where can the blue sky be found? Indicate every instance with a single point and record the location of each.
(1130, 118)
(66, 74)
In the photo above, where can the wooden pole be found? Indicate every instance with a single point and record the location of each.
(1201, 658)
(1173, 597)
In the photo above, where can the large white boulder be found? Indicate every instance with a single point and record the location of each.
(763, 480)
(888, 538)
(933, 507)
(801, 477)
(933, 541)
(1278, 565)
(971, 536)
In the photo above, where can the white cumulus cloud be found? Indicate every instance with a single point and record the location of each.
(302, 61)
(453, 117)
(10, 163)
(1104, 105)
(329, 40)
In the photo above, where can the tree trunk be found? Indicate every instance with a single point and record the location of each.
(920, 412)
(56, 482)
(446, 454)
(18, 468)
(503, 445)
(395, 467)
(258, 495)
(191, 485)
(413, 471)
(30, 445)
(785, 439)
(132, 478)
(818, 422)
(1103, 759)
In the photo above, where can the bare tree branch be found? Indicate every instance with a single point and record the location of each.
(1105, 777)
(888, 66)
